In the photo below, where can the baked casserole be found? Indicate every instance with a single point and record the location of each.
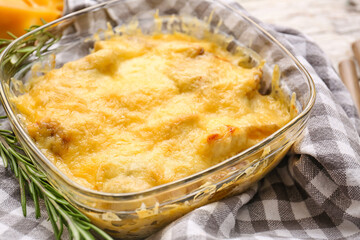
(145, 110)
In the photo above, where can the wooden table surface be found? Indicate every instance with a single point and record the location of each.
(333, 24)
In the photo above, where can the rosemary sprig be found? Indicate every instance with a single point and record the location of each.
(37, 43)
(32, 180)
(60, 211)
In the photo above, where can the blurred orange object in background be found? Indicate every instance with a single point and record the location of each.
(17, 15)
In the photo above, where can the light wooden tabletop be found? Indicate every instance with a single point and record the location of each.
(333, 24)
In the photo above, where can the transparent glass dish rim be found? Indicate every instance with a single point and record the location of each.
(128, 196)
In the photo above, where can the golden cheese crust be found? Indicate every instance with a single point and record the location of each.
(141, 111)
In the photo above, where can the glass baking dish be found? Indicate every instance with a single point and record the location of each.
(139, 214)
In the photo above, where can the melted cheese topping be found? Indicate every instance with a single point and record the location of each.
(141, 111)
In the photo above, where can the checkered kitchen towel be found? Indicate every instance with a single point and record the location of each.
(313, 194)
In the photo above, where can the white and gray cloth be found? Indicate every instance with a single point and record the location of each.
(313, 194)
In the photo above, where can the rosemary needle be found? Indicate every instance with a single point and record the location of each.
(32, 180)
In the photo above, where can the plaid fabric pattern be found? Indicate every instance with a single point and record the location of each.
(313, 194)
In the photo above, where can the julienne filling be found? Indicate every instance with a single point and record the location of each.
(141, 111)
